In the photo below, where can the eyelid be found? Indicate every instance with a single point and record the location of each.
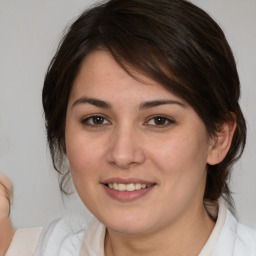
(168, 119)
(85, 120)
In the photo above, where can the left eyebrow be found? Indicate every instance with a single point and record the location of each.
(155, 103)
(91, 101)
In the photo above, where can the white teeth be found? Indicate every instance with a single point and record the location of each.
(138, 186)
(121, 187)
(127, 187)
(130, 187)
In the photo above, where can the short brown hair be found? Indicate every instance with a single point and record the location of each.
(172, 41)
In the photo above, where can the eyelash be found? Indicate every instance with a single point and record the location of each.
(92, 118)
(167, 121)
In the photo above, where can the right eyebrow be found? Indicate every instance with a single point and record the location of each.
(92, 101)
(156, 103)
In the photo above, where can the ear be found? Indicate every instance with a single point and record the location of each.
(220, 143)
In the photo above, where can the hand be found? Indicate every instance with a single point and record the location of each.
(6, 229)
(5, 196)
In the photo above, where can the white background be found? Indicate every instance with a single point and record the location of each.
(29, 33)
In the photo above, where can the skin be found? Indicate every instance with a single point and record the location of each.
(6, 229)
(128, 140)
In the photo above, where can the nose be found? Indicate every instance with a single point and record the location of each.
(126, 148)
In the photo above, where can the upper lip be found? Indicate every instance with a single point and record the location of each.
(126, 181)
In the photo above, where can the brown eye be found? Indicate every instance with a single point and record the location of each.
(159, 121)
(95, 121)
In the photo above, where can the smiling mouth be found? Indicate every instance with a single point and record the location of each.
(128, 187)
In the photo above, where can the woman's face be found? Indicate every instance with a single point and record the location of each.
(137, 152)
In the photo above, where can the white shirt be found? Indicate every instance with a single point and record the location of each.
(228, 238)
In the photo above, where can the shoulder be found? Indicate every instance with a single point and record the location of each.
(242, 239)
(245, 240)
(62, 236)
(235, 239)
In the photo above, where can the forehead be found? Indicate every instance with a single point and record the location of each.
(101, 76)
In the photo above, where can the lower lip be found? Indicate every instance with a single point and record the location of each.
(127, 196)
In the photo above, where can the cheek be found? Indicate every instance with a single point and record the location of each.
(181, 159)
(83, 154)
(81, 147)
(179, 151)
(85, 160)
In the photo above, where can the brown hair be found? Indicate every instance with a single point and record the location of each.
(172, 41)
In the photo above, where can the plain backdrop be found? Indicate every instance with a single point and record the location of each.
(29, 34)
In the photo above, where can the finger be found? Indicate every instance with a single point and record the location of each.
(6, 187)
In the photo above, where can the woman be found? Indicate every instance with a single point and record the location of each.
(141, 98)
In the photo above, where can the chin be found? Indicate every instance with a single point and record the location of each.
(129, 230)
(129, 225)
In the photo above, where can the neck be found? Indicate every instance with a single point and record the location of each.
(185, 236)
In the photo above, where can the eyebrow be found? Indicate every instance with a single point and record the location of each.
(92, 101)
(155, 103)
(143, 105)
